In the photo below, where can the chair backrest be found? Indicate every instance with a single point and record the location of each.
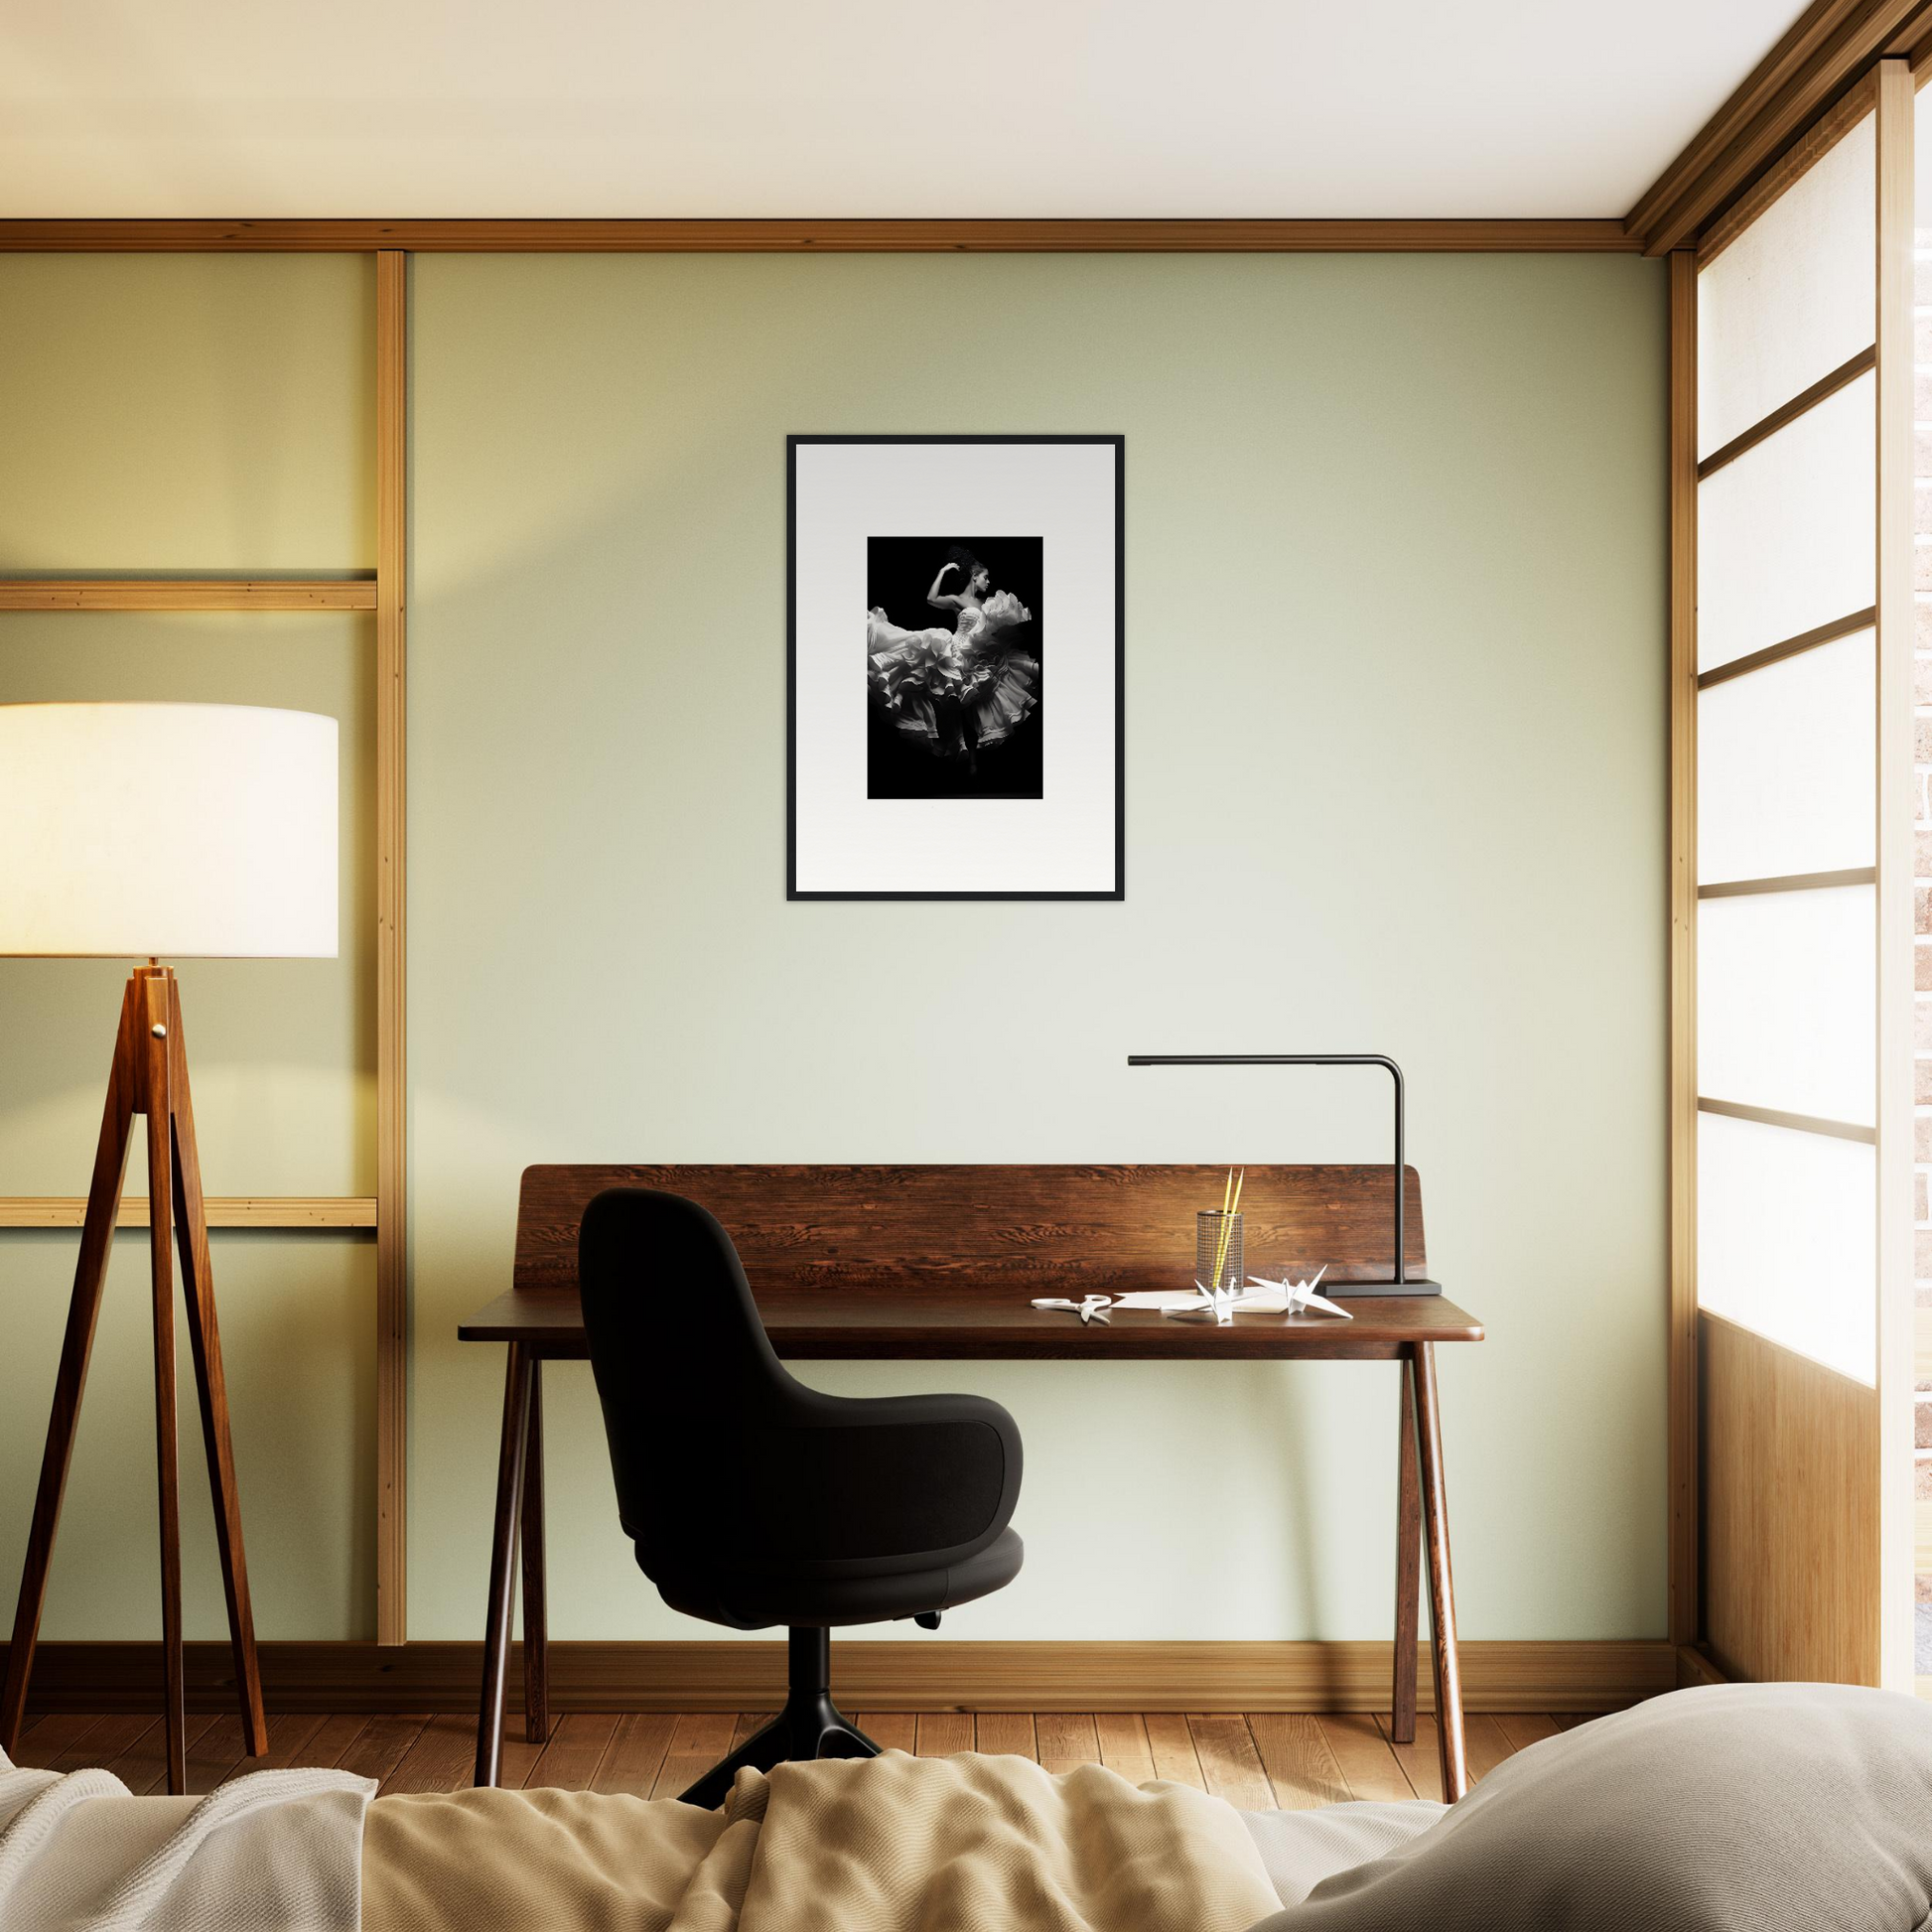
(684, 1372)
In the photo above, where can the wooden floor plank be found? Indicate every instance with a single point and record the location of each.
(699, 1739)
(105, 1740)
(636, 1753)
(1229, 1761)
(942, 1732)
(1369, 1768)
(218, 1755)
(290, 1738)
(46, 1738)
(1007, 1732)
(576, 1749)
(1420, 1761)
(517, 1759)
(749, 1724)
(1298, 1759)
(1172, 1743)
(443, 1757)
(1526, 1727)
(1486, 1742)
(146, 1761)
(128, 1762)
(382, 1743)
(330, 1744)
(891, 1730)
(1124, 1747)
(1065, 1738)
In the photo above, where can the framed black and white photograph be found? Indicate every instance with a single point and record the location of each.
(955, 657)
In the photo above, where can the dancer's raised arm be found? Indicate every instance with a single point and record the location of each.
(932, 597)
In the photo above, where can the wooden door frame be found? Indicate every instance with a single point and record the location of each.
(1888, 90)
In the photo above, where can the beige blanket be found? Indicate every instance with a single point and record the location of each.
(925, 1845)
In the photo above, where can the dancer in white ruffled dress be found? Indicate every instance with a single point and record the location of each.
(956, 693)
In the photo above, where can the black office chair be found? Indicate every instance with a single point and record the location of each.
(753, 1500)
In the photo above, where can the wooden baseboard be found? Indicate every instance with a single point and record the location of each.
(898, 1676)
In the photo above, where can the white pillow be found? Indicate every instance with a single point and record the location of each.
(1731, 1808)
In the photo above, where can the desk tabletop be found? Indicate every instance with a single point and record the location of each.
(955, 1323)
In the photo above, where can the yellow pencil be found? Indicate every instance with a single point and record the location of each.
(1230, 1200)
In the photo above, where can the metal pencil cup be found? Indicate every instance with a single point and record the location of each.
(1217, 1249)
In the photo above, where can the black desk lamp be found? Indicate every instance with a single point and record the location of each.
(1342, 1290)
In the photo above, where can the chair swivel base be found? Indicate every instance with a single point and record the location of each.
(810, 1726)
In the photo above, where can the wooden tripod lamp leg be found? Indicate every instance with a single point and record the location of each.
(161, 1193)
(204, 1338)
(150, 1076)
(83, 1309)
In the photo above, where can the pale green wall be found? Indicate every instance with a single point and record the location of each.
(1395, 592)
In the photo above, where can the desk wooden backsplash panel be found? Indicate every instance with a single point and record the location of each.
(1060, 1230)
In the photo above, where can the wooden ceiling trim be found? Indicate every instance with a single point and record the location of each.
(1832, 45)
(807, 238)
(1810, 148)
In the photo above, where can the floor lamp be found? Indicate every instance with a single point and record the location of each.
(142, 830)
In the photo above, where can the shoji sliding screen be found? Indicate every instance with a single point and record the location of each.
(1795, 691)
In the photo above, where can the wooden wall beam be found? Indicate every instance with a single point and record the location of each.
(223, 1211)
(391, 1270)
(1684, 1608)
(826, 237)
(1830, 45)
(186, 594)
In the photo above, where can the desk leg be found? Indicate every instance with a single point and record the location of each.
(1442, 1598)
(1408, 1563)
(536, 1623)
(502, 1563)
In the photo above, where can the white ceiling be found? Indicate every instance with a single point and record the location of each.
(857, 107)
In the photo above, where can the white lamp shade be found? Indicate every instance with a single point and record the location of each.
(175, 830)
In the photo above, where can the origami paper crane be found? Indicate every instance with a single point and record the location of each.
(1221, 1305)
(1295, 1298)
(1092, 1307)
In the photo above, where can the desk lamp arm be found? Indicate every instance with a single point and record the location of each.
(1313, 1060)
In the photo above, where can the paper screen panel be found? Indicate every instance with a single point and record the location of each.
(1786, 1002)
(1787, 767)
(1786, 534)
(1786, 1225)
(1792, 298)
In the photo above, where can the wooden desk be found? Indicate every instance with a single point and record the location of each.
(865, 1264)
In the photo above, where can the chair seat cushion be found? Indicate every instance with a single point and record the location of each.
(762, 1598)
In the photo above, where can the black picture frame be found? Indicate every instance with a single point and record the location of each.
(1118, 443)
